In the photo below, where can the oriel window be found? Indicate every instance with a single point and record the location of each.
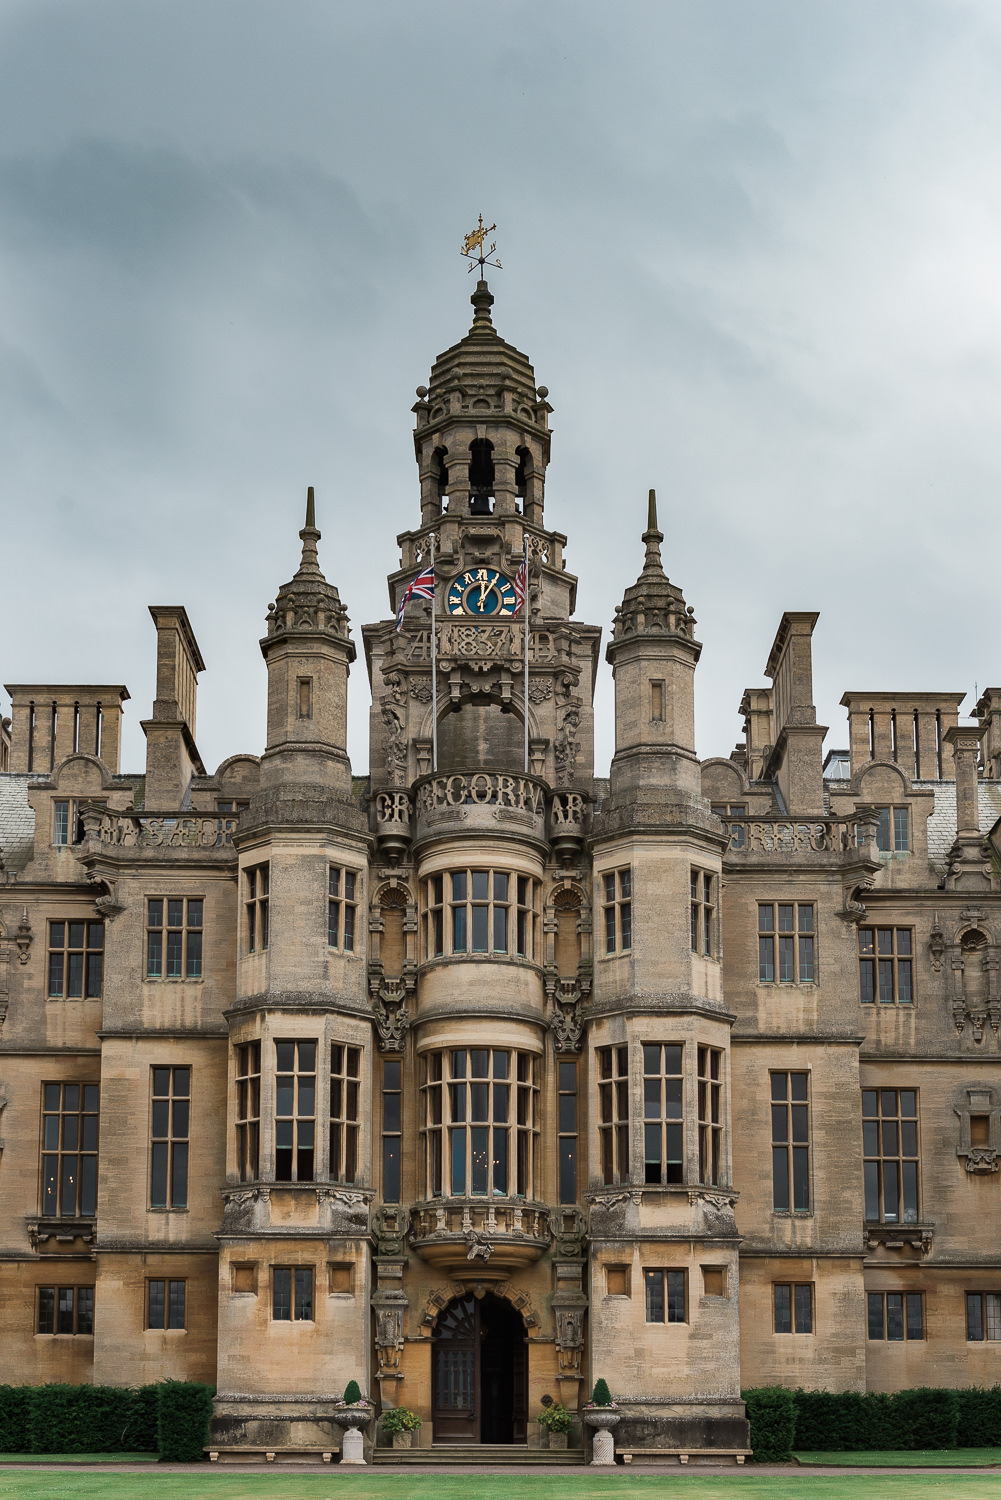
(480, 1113)
(171, 1104)
(295, 1111)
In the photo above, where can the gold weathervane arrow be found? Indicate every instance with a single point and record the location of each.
(472, 247)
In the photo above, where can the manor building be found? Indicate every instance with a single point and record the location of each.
(479, 1076)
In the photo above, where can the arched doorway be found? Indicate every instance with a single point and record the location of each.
(480, 1373)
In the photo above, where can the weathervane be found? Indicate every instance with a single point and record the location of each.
(472, 247)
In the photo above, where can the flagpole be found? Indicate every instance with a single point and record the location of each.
(434, 671)
(524, 539)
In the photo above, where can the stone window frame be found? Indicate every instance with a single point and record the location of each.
(344, 896)
(875, 1155)
(909, 1302)
(54, 1149)
(616, 888)
(248, 1109)
(78, 1295)
(987, 1318)
(446, 1082)
(62, 949)
(170, 1134)
(345, 1098)
(802, 937)
(300, 1282)
(664, 1135)
(612, 1075)
(450, 909)
(163, 921)
(257, 906)
(661, 1292)
(790, 1139)
(704, 892)
(896, 961)
(792, 1312)
(166, 1305)
(711, 1078)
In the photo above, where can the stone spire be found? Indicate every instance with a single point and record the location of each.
(653, 652)
(308, 650)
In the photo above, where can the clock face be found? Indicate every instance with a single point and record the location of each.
(481, 592)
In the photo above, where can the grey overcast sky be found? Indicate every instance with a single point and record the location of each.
(753, 250)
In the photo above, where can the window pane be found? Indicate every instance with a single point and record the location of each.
(875, 1305)
(974, 1316)
(786, 971)
(175, 1314)
(46, 1309)
(282, 1288)
(800, 1179)
(786, 923)
(783, 1308)
(804, 1309)
(780, 1178)
(895, 1316)
(157, 1303)
(654, 1288)
(676, 1296)
(480, 914)
(766, 960)
(901, 830)
(766, 919)
(915, 1316)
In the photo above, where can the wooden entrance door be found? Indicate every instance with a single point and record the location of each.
(456, 1396)
(480, 1373)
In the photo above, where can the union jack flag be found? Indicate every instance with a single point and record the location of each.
(421, 588)
(521, 582)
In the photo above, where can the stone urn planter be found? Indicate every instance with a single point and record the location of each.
(602, 1419)
(352, 1419)
(557, 1440)
(403, 1439)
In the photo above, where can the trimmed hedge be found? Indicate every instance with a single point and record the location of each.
(14, 1418)
(771, 1412)
(850, 1421)
(185, 1408)
(92, 1418)
(980, 1417)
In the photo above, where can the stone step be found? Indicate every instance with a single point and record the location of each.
(488, 1454)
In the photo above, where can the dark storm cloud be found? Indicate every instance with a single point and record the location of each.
(750, 249)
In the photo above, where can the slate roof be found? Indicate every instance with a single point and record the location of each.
(942, 823)
(17, 820)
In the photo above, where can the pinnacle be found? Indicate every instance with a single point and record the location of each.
(653, 538)
(309, 536)
(482, 300)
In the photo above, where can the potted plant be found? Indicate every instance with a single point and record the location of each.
(557, 1421)
(401, 1423)
(602, 1414)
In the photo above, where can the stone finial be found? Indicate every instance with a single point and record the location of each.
(309, 536)
(482, 300)
(652, 538)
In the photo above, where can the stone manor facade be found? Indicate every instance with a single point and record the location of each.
(479, 1076)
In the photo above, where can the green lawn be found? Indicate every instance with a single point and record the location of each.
(932, 1458)
(204, 1484)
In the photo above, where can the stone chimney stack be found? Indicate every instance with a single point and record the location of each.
(797, 757)
(171, 753)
